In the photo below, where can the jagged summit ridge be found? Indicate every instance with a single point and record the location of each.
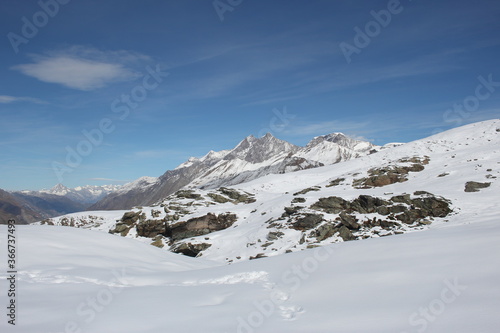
(258, 150)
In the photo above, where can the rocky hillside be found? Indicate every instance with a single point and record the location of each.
(13, 208)
(49, 205)
(252, 158)
(446, 179)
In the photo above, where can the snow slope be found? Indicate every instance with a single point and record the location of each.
(442, 280)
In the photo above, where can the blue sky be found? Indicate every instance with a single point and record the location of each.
(152, 83)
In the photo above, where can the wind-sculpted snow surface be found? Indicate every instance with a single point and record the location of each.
(441, 280)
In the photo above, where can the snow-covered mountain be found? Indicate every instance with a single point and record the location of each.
(446, 179)
(335, 148)
(252, 158)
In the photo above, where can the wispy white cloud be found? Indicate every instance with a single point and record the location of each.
(82, 68)
(81, 74)
(5, 99)
(247, 65)
(304, 81)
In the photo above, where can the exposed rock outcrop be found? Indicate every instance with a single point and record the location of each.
(378, 177)
(151, 228)
(238, 197)
(335, 182)
(190, 249)
(307, 190)
(409, 209)
(309, 221)
(199, 226)
(127, 222)
(475, 186)
(331, 205)
(188, 194)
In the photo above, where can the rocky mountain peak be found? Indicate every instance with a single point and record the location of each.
(336, 137)
(59, 189)
(258, 150)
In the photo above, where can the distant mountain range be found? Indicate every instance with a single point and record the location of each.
(30, 206)
(83, 194)
(252, 158)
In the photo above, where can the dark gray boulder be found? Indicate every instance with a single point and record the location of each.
(309, 221)
(331, 205)
(346, 234)
(325, 231)
(291, 210)
(190, 249)
(366, 204)
(349, 221)
(475, 186)
(151, 228)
